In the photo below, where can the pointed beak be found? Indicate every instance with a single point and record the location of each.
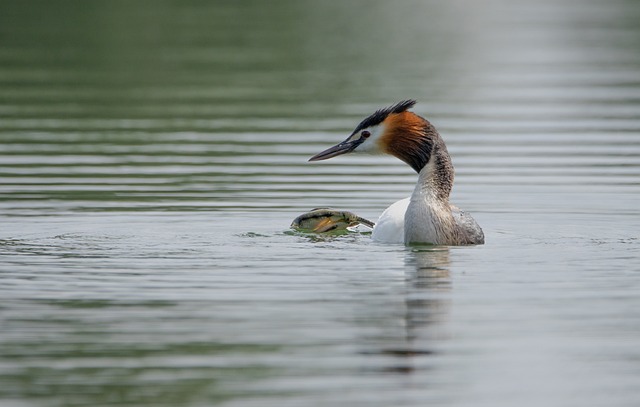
(345, 147)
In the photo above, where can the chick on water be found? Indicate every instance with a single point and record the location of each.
(322, 220)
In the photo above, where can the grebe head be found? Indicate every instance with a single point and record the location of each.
(392, 130)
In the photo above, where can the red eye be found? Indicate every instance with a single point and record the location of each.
(365, 134)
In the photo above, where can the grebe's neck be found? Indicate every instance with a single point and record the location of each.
(428, 218)
(437, 174)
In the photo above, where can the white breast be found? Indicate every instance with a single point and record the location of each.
(390, 225)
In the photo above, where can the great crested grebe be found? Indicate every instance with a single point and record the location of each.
(426, 216)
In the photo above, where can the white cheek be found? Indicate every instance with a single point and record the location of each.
(371, 145)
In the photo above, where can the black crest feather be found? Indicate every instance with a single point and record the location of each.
(381, 114)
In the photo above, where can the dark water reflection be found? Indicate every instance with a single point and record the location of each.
(152, 155)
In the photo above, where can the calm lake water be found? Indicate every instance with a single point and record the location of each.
(153, 155)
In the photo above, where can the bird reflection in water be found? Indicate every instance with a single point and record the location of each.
(426, 308)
